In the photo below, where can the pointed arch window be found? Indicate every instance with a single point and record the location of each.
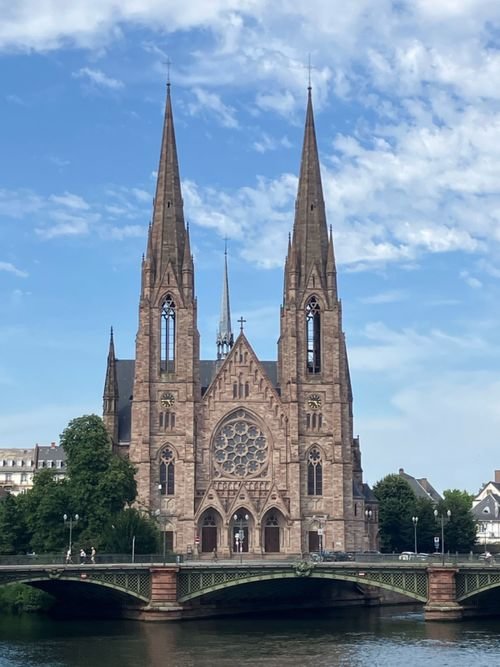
(314, 473)
(168, 333)
(167, 472)
(313, 333)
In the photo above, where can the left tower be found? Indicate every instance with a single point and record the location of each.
(165, 386)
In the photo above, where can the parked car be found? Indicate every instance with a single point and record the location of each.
(330, 556)
(407, 555)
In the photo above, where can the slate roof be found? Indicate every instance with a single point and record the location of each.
(487, 508)
(125, 378)
(422, 488)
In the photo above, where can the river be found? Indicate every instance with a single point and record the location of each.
(389, 637)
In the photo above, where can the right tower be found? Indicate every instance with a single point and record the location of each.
(337, 509)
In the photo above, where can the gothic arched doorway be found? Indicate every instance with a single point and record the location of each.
(209, 532)
(240, 533)
(272, 532)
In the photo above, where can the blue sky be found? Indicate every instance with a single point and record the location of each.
(406, 98)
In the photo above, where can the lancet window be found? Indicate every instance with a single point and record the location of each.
(167, 472)
(314, 473)
(313, 332)
(168, 333)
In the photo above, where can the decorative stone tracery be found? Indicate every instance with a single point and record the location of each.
(241, 449)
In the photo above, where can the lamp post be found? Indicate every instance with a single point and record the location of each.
(415, 522)
(368, 518)
(240, 535)
(162, 520)
(442, 518)
(69, 521)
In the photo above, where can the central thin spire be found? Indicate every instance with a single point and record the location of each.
(225, 335)
(168, 230)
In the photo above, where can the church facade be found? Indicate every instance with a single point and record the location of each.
(237, 455)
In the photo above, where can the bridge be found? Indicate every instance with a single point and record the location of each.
(153, 591)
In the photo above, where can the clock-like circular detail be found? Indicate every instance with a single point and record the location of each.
(314, 401)
(167, 399)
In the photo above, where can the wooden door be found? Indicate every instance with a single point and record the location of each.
(313, 541)
(208, 539)
(271, 539)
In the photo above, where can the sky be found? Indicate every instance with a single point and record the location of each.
(406, 98)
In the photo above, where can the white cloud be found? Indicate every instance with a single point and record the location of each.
(15, 99)
(471, 281)
(212, 103)
(266, 143)
(70, 200)
(10, 268)
(98, 78)
(70, 215)
(397, 353)
(390, 296)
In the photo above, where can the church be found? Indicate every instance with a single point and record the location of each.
(236, 455)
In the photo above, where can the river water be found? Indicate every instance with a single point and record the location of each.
(389, 637)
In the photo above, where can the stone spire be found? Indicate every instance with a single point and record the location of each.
(168, 233)
(310, 235)
(110, 397)
(224, 336)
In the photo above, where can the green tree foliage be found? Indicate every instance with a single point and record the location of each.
(43, 508)
(426, 526)
(130, 524)
(397, 505)
(460, 531)
(100, 483)
(13, 533)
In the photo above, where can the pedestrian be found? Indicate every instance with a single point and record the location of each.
(214, 554)
(92, 555)
(83, 556)
(68, 557)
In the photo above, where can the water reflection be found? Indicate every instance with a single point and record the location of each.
(347, 638)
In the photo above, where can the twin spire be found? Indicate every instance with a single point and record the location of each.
(169, 240)
(310, 248)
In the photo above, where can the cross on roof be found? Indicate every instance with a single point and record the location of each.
(310, 67)
(241, 321)
(168, 62)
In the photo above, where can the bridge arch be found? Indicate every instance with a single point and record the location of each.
(135, 584)
(193, 584)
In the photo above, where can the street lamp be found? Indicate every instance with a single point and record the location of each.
(163, 520)
(442, 518)
(415, 522)
(368, 518)
(240, 535)
(69, 521)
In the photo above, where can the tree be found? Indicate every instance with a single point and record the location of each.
(13, 534)
(43, 508)
(460, 531)
(426, 527)
(129, 526)
(397, 505)
(100, 482)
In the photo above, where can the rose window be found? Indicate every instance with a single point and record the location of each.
(240, 447)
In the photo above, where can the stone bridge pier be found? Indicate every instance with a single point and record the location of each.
(442, 602)
(163, 605)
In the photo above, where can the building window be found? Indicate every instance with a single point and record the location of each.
(314, 473)
(313, 330)
(167, 420)
(167, 472)
(24, 477)
(168, 332)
